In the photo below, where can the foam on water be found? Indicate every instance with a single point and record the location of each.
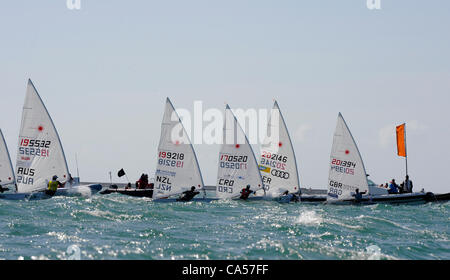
(121, 227)
(309, 218)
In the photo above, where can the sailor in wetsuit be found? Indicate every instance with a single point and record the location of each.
(2, 189)
(245, 193)
(358, 195)
(293, 196)
(188, 195)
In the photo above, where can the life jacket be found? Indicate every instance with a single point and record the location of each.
(245, 193)
(53, 185)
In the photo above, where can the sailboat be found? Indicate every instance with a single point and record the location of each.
(177, 165)
(177, 168)
(347, 173)
(7, 177)
(40, 155)
(237, 163)
(278, 164)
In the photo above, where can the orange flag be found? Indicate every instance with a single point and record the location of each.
(401, 140)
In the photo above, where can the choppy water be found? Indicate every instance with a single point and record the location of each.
(121, 227)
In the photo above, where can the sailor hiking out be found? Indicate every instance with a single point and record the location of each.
(246, 192)
(188, 195)
(53, 186)
(291, 196)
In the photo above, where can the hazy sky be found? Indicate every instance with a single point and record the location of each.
(104, 72)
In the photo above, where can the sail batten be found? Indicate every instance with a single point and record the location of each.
(6, 169)
(237, 162)
(177, 168)
(278, 163)
(40, 154)
(347, 171)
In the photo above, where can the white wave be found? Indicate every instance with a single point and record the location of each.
(309, 218)
(61, 236)
(81, 191)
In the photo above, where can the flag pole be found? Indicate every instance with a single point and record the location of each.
(406, 152)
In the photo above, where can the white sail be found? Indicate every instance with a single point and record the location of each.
(40, 155)
(278, 164)
(347, 171)
(177, 169)
(237, 163)
(6, 170)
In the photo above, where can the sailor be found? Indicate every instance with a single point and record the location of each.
(402, 189)
(53, 185)
(142, 183)
(393, 187)
(408, 185)
(295, 198)
(138, 182)
(246, 192)
(145, 182)
(286, 194)
(358, 195)
(188, 195)
(2, 189)
(292, 197)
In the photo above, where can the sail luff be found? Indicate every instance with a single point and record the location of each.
(54, 127)
(359, 153)
(292, 146)
(190, 145)
(8, 157)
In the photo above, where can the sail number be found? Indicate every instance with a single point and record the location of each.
(171, 159)
(32, 147)
(271, 156)
(233, 162)
(273, 164)
(342, 166)
(230, 158)
(34, 152)
(35, 143)
(171, 155)
(343, 163)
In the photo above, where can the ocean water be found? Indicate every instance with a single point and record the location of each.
(122, 227)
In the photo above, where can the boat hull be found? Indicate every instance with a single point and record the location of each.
(313, 199)
(396, 199)
(172, 200)
(82, 190)
(24, 196)
(440, 197)
(131, 192)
